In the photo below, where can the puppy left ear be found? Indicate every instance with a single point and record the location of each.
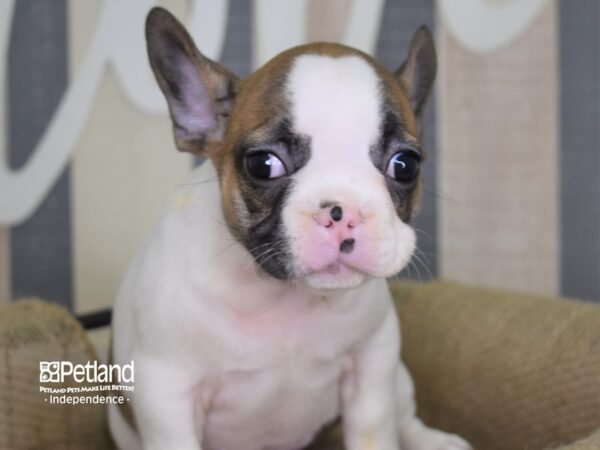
(417, 73)
(200, 92)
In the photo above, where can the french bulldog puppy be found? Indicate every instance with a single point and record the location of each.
(258, 311)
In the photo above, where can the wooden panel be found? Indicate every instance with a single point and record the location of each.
(498, 153)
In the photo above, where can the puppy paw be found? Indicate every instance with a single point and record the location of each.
(424, 438)
(446, 441)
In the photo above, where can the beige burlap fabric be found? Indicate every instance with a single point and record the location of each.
(591, 442)
(508, 371)
(32, 331)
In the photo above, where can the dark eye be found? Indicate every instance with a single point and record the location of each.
(404, 166)
(264, 165)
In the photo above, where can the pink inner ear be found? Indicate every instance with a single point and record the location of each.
(195, 111)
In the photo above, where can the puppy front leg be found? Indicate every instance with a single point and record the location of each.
(369, 392)
(414, 434)
(165, 407)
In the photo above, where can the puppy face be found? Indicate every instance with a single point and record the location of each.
(318, 151)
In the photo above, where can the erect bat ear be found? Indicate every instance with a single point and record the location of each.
(417, 73)
(200, 93)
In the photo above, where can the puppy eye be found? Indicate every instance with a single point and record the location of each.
(264, 165)
(404, 166)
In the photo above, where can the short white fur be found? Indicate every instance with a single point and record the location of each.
(337, 104)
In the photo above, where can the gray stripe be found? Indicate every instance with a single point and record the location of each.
(37, 77)
(401, 18)
(237, 48)
(580, 148)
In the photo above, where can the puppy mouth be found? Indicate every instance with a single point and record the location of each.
(339, 266)
(334, 276)
(337, 270)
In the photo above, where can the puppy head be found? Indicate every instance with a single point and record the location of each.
(318, 152)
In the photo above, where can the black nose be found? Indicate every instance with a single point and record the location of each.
(336, 213)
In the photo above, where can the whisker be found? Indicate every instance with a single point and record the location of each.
(436, 192)
(273, 255)
(256, 260)
(405, 271)
(230, 228)
(197, 183)
(425, 257)
(424, 265)
(425, 233)
(220, 252)
(262, 257)
(419, 275)
(252, 261)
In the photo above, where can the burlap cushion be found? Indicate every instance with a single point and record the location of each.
(32, 331)
(508, 371)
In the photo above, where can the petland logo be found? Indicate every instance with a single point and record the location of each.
(91, 372)
(100, 383)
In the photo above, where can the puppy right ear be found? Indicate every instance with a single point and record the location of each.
(199, 92)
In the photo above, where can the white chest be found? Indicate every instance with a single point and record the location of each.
(278, 407)
(283, 375)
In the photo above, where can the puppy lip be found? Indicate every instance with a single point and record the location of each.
(333, 268)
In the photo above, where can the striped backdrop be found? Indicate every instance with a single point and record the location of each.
(512, 190)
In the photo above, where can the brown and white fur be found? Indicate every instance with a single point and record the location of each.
(258, 311)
